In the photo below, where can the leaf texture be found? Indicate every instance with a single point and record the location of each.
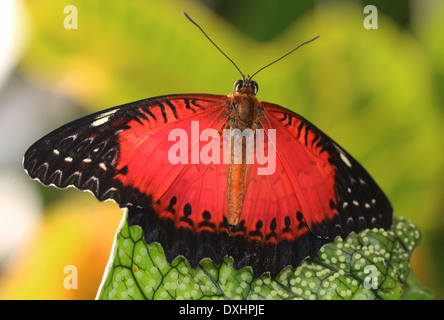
(372, 264)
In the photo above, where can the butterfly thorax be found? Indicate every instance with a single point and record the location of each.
(243, 116)
(244, 104)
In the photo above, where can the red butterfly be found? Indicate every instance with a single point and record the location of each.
(163, 158)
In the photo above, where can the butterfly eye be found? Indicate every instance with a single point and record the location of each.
(255, 86)
(238, 85)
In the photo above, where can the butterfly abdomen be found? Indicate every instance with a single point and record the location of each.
(235, 192)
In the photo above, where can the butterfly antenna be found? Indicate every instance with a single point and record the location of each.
(188, 17)
(285, 55)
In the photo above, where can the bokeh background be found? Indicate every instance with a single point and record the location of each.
(378, 92)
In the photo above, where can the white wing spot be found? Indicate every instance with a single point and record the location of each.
(102, 118)
(367, 205)
(99, 122)
(56, 152)
(68, 159)
(103, 166)
(345, 159)
(87, 160)
(107, 114)
(356, 203)
(345, 205)
(342, 155)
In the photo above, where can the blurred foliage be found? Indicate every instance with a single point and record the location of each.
(376, 92)
(79, 232)
(373, 264)
(279, 15)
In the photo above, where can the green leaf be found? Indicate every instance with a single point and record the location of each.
(373, 264)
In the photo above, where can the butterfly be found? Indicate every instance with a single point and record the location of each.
(172, 162)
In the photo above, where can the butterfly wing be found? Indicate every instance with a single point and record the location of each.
(316, 192)
(124, 154)
(121, 153)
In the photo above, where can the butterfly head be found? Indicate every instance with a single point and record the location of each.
(245, 85)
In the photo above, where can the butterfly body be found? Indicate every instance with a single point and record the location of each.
(244, 115)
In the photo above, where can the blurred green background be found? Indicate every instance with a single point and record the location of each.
(377, 92)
